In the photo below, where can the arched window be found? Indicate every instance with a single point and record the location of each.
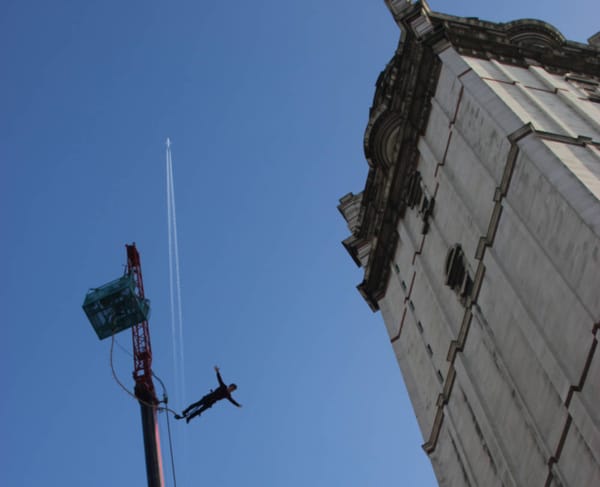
(415, 196)
(457, 275)
(414, 191)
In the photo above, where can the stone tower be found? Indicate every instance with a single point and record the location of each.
(478, 230)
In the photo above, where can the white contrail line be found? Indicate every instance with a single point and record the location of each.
(178, 287)
(171, 290)
(175, 282)
(177, 273)
(175, 301)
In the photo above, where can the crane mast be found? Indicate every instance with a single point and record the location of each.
(142, 375)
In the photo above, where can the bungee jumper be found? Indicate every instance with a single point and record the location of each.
(222, 392)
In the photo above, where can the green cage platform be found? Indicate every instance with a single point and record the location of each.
(115, 307)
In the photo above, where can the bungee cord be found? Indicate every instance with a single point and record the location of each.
(132, 394)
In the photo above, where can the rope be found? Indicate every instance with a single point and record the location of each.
(171, 450)
(159, 408)
(162, 384)
(165, 399)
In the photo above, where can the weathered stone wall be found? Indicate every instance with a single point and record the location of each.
(504, 379)
(479, 233)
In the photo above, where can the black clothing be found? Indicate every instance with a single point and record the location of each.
(222, 392)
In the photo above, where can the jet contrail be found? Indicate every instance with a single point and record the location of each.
(175, 284)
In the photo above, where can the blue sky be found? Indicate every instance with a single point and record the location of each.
(265, 103)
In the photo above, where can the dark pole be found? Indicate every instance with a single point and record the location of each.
(154, 470)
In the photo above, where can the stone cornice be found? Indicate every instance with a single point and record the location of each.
(397, 118)
(521, 42)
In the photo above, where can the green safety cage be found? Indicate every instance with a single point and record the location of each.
(115, 307)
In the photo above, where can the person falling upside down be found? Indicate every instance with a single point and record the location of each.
(222, 392)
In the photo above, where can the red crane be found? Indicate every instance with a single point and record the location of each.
(112, 308)
(142, 374)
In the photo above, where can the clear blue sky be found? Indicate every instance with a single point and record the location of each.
(266, 104)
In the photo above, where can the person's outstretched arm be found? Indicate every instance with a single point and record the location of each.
(234, 402)
(221, 383)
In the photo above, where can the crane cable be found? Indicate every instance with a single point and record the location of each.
(158, 408)
(171, 450)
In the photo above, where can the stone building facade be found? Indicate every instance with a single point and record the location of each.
(479, 234)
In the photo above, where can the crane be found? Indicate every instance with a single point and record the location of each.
(142, 375)
(114, 307)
